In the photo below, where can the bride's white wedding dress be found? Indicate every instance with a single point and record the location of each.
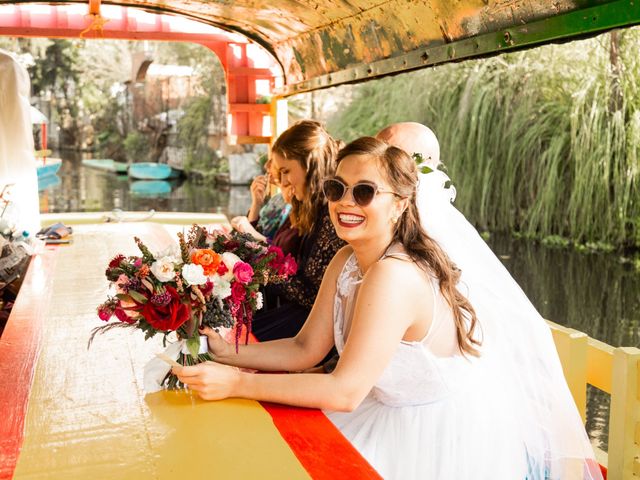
(433, 413)
(436, 414)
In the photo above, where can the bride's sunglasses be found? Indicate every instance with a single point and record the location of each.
(363, 192)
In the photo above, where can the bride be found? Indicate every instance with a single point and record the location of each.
(440, 375)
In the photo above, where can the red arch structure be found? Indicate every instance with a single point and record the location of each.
(251, 72)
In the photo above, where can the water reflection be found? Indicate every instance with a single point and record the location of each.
(593, 293)
(150, 188)
(84, 189)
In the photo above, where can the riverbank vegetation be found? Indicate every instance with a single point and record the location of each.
(544, 143)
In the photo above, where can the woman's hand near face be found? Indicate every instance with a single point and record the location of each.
(243, 225)
(211, 380)
(258, 194)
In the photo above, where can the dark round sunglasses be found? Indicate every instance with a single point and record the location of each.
(363, 192)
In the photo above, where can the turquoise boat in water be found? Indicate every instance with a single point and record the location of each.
(106, 164)
(150, 188)
(152, 171)
(48, 181)
(48, 166)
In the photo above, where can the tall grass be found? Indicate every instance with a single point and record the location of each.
(534, 140)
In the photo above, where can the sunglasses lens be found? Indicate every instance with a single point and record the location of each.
(363, 194)
(333, 190)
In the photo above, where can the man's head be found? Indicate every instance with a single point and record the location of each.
(413, 138)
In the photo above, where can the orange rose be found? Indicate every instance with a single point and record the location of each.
(209, 260)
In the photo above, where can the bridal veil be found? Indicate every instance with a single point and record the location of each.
(517, 348)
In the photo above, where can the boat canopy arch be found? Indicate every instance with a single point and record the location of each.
(295, 46)
(322, 43)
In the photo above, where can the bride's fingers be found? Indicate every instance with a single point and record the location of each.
(209, 332)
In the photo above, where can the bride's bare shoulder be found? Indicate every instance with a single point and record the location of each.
(342, 255)
(338, 261)
(399, 274)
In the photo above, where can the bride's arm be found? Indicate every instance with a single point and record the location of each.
(303, 351)
(388, 303)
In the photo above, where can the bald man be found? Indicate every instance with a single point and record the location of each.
(413, 138)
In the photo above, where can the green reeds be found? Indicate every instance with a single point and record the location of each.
(535, 141)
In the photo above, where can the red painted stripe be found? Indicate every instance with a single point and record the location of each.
(19, 349)
(322, 450)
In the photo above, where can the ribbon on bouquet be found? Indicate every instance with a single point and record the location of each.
(156, 369)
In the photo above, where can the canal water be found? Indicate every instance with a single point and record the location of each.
(595, 293)
(78, 188)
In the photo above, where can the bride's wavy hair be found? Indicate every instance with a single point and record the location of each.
(315, 150)
(402, 174)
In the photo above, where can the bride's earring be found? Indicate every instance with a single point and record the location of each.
(394, 220)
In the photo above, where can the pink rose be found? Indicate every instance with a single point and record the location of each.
(243, 272)
(289, 266)
(238, 293)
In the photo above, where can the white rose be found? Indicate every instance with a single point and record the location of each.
(163, 269)
(229, 259)
(194, 274)
(258, 300)
(221, 287)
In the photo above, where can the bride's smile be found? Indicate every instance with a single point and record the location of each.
(362, 205)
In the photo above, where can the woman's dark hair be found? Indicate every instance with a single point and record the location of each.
(402, 174)
(308, 143)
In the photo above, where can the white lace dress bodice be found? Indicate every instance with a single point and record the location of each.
(433, 413)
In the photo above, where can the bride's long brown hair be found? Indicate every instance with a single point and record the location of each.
(402, 174)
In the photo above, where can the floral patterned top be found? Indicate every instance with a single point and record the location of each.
(272, 216)
(316, 251)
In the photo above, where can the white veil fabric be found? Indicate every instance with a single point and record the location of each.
(517, 344)
(17, 161)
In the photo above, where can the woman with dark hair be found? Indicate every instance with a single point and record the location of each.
(431, 383)
(302, 157)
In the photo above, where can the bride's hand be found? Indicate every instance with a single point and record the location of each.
(218, 346)
(212, 381)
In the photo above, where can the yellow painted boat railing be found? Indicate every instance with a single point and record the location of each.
(615, 371)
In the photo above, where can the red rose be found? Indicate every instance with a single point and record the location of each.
(222, 269)
(169, 316)
(115, 262)
(238, 293)
(207, 288)
(123, 316)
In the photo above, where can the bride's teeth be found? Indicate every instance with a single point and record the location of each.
(350, 219)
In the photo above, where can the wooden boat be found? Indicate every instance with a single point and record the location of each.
(106, 164)
(151, 171)
(48, 181)
(48, 166)
(150, 188)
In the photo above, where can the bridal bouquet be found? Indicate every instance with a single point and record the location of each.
(210, 279)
